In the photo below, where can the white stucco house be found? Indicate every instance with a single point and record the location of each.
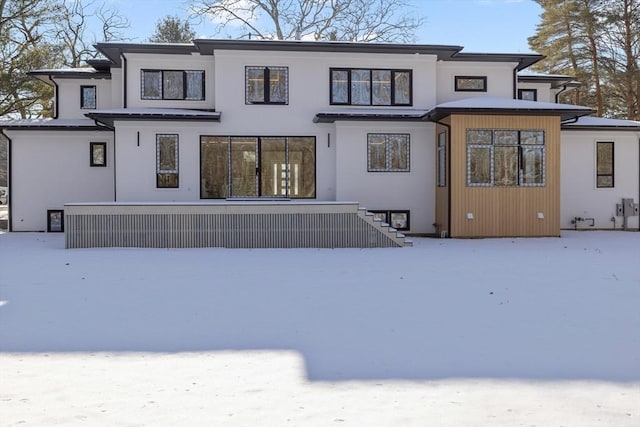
(428, 138)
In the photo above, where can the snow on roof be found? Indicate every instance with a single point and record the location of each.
(490, 102)
(48, 123)
(156, 112)
(590, 122)
(329, 116)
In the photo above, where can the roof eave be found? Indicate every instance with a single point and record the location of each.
(565, 114)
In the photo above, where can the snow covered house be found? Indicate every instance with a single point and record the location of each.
(428, 138)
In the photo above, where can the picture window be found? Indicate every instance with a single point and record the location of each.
(471, 83)
(604, 165)
(266, 85)
(87, 97)
(172, 85)
(363, 86)
(167, 161)
(98, 151)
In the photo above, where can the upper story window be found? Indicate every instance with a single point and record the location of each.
(528, 94)
(387, 152)
(360, 86)
(266, 85)
(604, 165)
(505, 158)
(172, 84)
(471, 83)
(87, 97)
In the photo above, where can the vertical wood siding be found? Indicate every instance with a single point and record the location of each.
(505, 211)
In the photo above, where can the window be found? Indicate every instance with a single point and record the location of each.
(55, 221)
(234, 166)
(528, 94)
(87, 97)
(172, 85)
(387, 152)
(471, 83)
(266, 85)
(442, 159)
(166, 161)
(398, 219)
(505, 158)
(370, 87)
(604, 165)
(98, 153)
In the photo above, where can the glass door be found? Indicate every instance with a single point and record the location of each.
(274, 179)
(244, 169)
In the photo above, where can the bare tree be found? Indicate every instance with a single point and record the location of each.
(346, 20)
(72, 29)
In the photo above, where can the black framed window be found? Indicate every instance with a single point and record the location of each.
(88, 97)
(471, 83)
(167, 161)
(398, 219)
(528, 94)
(239, 166)
(505, 157)
(172, 84)
(266, 85)
(55, 220)
(442, 159)
(364, 86)
(388, 152)
(98, 154)
(604, 165)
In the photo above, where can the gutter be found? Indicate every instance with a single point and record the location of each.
(9, 181)
(124, 79)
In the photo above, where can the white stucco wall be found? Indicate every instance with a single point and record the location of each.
(579, 195)
(543, 91)
(69, 96)
(414, 190)
(499, 79)
(51, 168)
(135, 62)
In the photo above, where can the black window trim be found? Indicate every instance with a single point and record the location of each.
(92, 160)
(95, 97)
(258, 153)
(371, 70)
(177, 171)
(482, 78)
(55, 211)
(184, 85)
(613, 168)
(266, 91)
(534, 91)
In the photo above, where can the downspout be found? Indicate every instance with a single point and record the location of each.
(55, 97)
(448, 175)
(515, 80)
(10, 222)
(115, 188)
(124, 82)
(564, 88)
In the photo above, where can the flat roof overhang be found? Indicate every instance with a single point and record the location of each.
(52, 124)
(500, 106)
(108, 117)
(370, 115)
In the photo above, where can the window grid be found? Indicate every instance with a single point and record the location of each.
(396, 152)
(167, 161)
(470, 83)
(263, 85)
(88, 97)
(605, 164)
(527, 140)
(172, 85)
(372, 90)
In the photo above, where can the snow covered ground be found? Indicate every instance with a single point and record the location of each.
(498, 332)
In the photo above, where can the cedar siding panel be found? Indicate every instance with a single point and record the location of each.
(505, 211)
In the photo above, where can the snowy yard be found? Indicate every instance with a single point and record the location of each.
(497, 332)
